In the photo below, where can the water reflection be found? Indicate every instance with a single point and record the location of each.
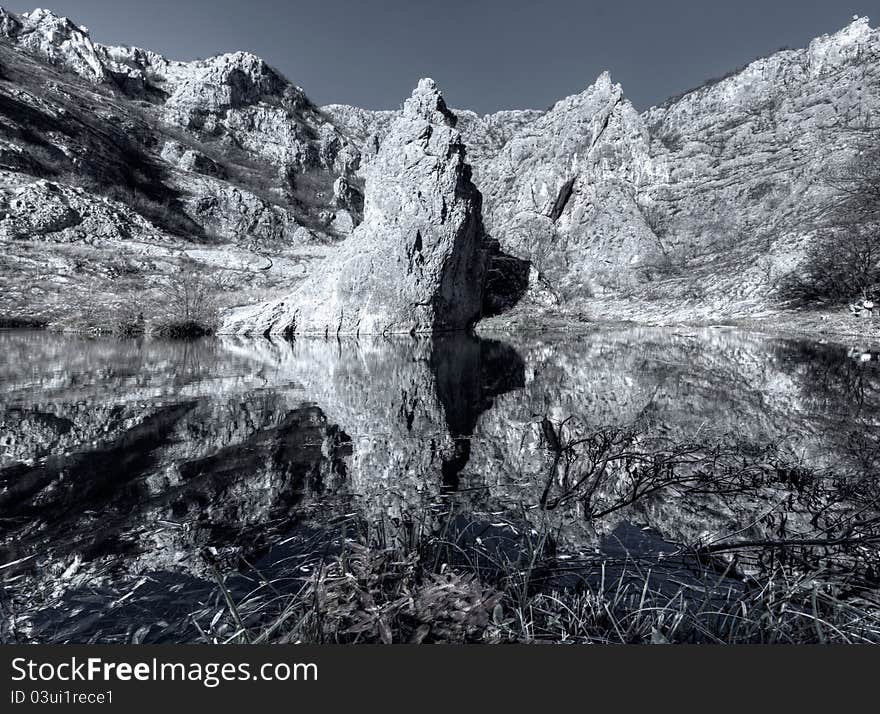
(121, 462)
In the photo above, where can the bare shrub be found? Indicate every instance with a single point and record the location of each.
(843, 261)
(841, 265)
(189, 302)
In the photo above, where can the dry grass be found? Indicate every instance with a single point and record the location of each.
(364, 595)
(386, 596)
(628, 610)
(808, 576)
(118, 290)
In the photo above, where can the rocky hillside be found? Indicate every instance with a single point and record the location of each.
(243, 150)
(123, 174)
(691, 209)
(116, 162)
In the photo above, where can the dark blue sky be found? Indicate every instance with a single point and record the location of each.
(484, 54)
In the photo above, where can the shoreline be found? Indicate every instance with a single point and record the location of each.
(819, 326)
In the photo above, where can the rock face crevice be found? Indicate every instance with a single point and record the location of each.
(562, 200)
(507, 280)
(416, 264)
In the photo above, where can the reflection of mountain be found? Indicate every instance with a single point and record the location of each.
(686, 385)
(63, 394)
(697, 386)
(409, 406)
(132, 457)
(151, 452)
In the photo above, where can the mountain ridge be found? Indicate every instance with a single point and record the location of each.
(600, 208)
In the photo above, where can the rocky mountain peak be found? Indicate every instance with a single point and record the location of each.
(844, 46)
(9, 23)
(231, 80)
(230, 145)
(48, 22)
(601, 90)
(604, 83)
(57, 39)
(245, 62)
(855, 33)
(427, 103)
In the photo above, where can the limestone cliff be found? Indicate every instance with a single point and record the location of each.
(693, 209)
(416, 263)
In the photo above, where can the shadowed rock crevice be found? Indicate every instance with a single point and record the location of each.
(506, 282)
(562, 199)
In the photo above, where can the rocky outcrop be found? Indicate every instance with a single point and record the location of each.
(45, 210)
(225, 209)
(366, 127)
(483, 135)
(240, 105)
(693, 209)
(562, 192)
(416, 263)
(560, 186)
(118, 158)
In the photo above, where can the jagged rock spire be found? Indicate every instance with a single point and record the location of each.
(426, 102)
(416, 263)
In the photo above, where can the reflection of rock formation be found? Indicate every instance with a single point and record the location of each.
(126, 459)
(703, 386)
(180, 479)
(225, 475)
(409, 406)
(59, 395)
(469, 375)
(377, 421)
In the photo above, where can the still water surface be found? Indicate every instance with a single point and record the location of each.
(123, 463)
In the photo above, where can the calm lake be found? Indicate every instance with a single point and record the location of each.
(133, 474)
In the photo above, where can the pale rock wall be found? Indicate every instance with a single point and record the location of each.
(416, 262)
